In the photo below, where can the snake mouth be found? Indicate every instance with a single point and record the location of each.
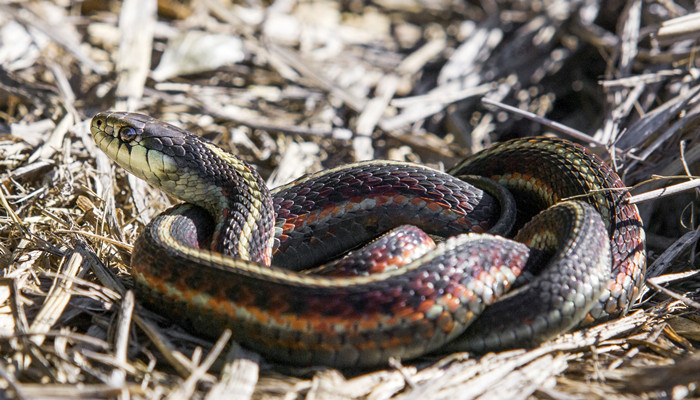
(128, 145)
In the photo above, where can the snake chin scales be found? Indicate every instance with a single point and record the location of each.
(236, 255)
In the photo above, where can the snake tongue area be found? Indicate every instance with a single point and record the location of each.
(403, 311)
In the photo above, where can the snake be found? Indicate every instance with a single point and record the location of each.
(236, 255)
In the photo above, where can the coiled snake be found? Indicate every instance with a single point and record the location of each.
(231, 255)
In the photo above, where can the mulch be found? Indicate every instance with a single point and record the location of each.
(298, 86)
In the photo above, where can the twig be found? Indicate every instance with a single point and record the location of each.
(674, 295)
(544, 121)
(186, 390)
(680, 245)
(663, 192)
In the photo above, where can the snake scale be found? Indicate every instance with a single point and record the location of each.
(232, 255)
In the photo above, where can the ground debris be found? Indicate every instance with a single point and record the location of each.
(295, 87)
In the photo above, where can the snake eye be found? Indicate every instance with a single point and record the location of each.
(127, 133)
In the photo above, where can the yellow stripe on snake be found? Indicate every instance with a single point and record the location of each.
(231, 256)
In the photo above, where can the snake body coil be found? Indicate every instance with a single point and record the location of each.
(210, 263)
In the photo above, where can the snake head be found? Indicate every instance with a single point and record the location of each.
(133, 143)
(164, 155)
(187, 167)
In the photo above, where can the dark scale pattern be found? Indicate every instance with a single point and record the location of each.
(562, 294)
(343, 323)
(234, 181)
(542, 171)
(390, 251)
(323, 215)
(405, 312)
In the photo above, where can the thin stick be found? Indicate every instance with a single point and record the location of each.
(688, 302)
(663, 192)
(544, 121)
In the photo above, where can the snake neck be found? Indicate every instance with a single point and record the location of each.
(244, 225)
(198, 172)
(241, 205)
(230, 189)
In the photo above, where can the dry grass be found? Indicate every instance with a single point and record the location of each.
(298, 86)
